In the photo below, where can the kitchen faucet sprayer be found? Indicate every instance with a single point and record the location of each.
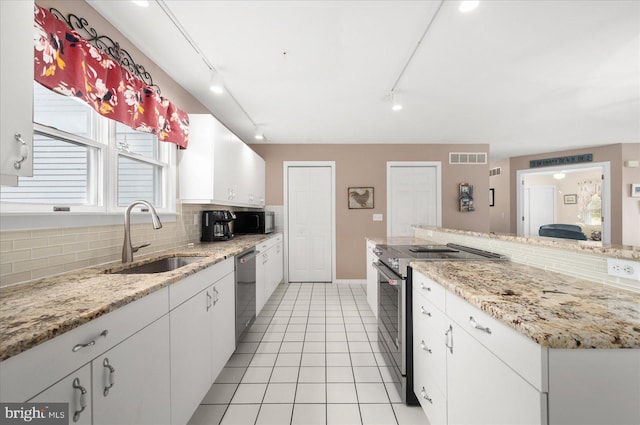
(127, 249)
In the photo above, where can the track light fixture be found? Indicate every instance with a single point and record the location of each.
(258, 133)
(395, 102)
(216, 84)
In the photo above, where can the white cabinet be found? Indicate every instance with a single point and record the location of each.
(218, 168)
(202, 335)
(372, 278)
(74, 389)
(16, 88)
(269, 269)
(131, 381)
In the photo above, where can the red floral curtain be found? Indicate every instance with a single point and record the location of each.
(67, 64)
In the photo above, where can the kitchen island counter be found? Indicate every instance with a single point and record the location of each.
(554, 310)
(37, 311)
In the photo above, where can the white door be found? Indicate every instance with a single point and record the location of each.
(413, 197)
(310, 216)
(539, 208)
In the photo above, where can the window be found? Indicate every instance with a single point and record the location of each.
(89, 163)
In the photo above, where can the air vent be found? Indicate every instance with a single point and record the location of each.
(495, 171)
(467, 158)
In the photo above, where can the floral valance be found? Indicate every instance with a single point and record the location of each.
(67, 64)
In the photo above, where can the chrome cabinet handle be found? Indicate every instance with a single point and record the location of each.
(425, 396)
(111, 376)
(83, 399)
(424, 347)
(209, 301)
(478, 326)
(449, 335)
(425, 312)
(217, 298)
(24, 151)
(79, 347)
(426, 288)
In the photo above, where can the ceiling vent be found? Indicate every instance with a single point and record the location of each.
(495, 171)
(467, 158)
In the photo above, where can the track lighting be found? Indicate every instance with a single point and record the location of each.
(395, 102)
(141, 3)
(468, 5)
(216, 84)
(258, 134)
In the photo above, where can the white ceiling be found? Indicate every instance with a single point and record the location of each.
(523, 76)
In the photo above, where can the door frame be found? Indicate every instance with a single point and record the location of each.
(437, 165)
(606, 192)
(555, 209)
(285, 192)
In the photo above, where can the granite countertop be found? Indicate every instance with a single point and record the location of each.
(552, 309)
(36, 311)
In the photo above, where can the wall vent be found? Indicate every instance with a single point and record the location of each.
(495, 171)
(467, 158)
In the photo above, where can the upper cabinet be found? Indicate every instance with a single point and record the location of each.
(218, 168)
(16, 86)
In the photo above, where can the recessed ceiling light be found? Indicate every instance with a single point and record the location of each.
(141, 3)
(468, 5)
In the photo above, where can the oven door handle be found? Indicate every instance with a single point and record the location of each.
(382, 269)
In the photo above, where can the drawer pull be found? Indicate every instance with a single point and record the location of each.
(425, 396)
(424, 347)
(478, 326)
(424, 311)
(449, 335)
(83, 399)
(110, 378)
(209, 299)
(24, 151)
(79, 347)
(426, 288)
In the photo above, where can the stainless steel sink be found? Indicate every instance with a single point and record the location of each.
(159, 266)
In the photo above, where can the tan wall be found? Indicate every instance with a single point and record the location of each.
(609, 153)
(365, 165)
(630, 206)
(500, 213)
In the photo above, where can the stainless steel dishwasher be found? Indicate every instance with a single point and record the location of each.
(245, 291)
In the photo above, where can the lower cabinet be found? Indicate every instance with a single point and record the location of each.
(75, 389)
(223, 336)
(372, 278)
(269, 269)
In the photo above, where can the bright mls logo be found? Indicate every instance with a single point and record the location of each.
(34, 413)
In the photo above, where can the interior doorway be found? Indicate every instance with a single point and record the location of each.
(539, 208)
(414, 196)
(309, 221)
(582, 198)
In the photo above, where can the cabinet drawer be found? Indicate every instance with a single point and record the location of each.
(429, 349)
(432, 400)
(191, 285)
(431, 290)
(30, 372)
(523, 355)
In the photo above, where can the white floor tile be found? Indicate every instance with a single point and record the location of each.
(357, 336)
(230, 375)
(239, 360)
(275, 414)
(338, 359)
(268, 347)
(392, 391)
(280, 393)
(311, 393)
(377, 414)
(409, 415)
(208, 414)
(285, 374)
(220, 394)
(273, 336)
(315, 336)
(337, 347)
(341, 393)
(388, 374)
(249, 393)
(339, 374)
(312, 374)
(291, 347)
(247, 347)
(238, 414)
(337, 327)
(371, 392)
(315, 327)
(359, 347)
(343, 414)
(288, 359)
(293, 336)
(256, 375)
(309, 414)
(314, 347)
(263, 359)
(313, 359)
(363, 359)
(336, 336)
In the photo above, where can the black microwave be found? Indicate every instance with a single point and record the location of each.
(250, 222)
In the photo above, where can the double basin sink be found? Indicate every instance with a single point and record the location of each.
(158, 266)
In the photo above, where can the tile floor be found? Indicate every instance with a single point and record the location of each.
(310, 358)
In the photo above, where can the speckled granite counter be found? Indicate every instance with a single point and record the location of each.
(34, 312)
(554, 310)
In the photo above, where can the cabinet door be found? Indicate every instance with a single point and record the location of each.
(131, 381)
(277, 265)
(223, 328)
(75, 389)
(261, 281)
(372, 278)
(190, 331)
(16, 85)
(481, 389)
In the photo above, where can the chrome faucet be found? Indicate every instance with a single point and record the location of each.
(127, 249)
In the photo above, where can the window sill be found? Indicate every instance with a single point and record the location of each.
(50, 220)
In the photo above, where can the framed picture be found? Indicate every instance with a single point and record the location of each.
(492, 197)
(360, 197)
(570, 199)
(635, 190)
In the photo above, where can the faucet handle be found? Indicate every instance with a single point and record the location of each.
(136, 248)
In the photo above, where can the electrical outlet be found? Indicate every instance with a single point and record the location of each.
(623, 268)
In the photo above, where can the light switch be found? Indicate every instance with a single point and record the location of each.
(377, 217)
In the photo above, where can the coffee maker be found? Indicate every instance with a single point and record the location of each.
(215, 225)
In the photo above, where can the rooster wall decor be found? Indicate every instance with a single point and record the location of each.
(360, 197)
